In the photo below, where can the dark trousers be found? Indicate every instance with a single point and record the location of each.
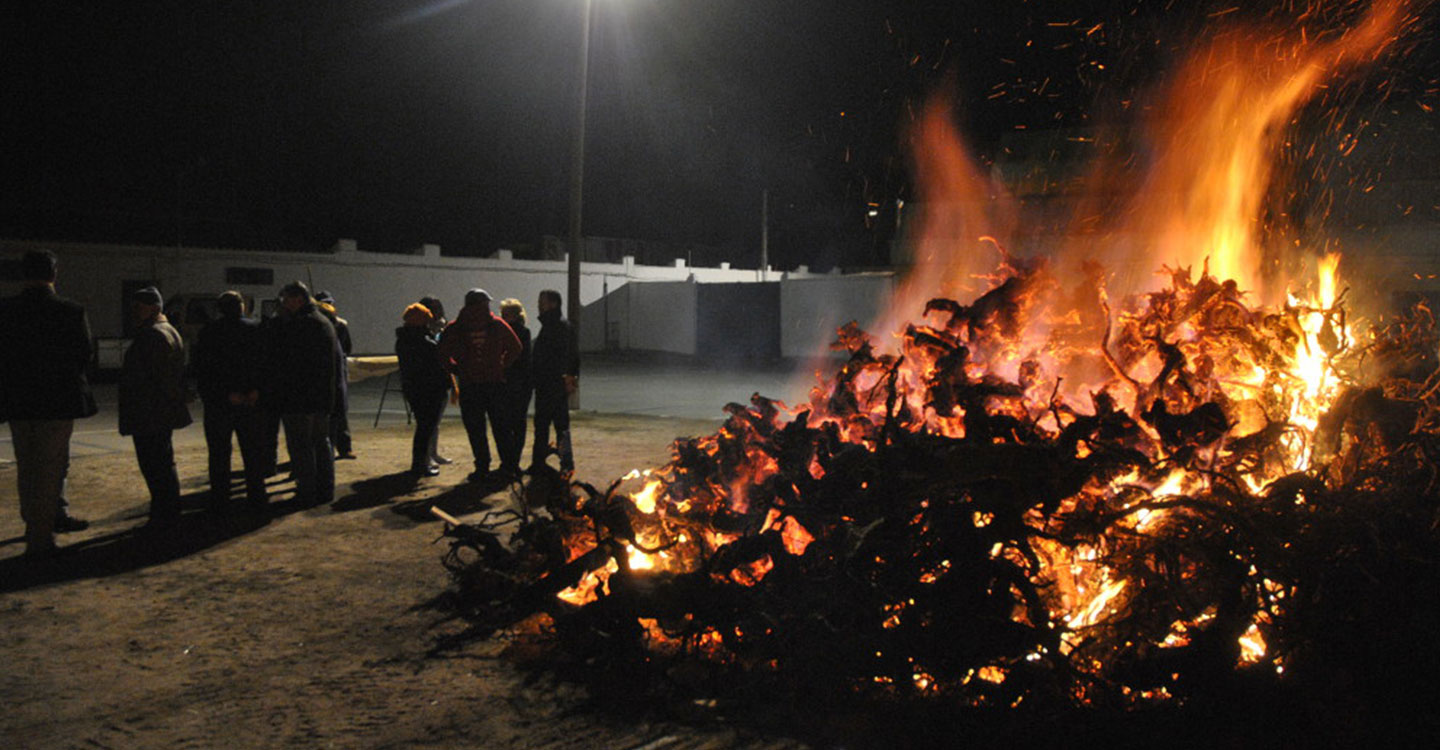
(312, 459)
(340, 423)
(435, 436)
(42, 456)
(479, 401)
(268, 440)
(517, 403)
(427, 408)
(552, 407)
(221, 421)
(156, 455)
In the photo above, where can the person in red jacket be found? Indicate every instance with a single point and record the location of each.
(477, 348)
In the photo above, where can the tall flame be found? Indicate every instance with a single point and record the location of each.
(1213, 140)
(1222, 119)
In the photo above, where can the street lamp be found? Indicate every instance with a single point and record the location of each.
(577, 181)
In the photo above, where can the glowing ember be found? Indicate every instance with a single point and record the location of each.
(645, 498)
(795, 536)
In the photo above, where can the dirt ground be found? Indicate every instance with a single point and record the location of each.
(296, 629)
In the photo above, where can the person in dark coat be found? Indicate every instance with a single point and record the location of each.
(478, 347)
(340, 416)
(152, 402)
(300, 387)
(437, 326)
(424, 382)
(44, 350)
(517, 385)
(226, 365)
(269, 419)
(556, 370)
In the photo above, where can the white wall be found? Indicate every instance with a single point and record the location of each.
(372, 289)
(652, 316)
(660, 316)
(811, 308)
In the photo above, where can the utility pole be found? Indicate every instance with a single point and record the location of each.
(764, 233)
(577, 192)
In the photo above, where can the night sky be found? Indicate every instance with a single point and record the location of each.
(288, 125)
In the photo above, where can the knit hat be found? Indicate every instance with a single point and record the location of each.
(418, 315)
(148, 295)
(295, 289)
(231, 303)
(477, 297)
(434, 305)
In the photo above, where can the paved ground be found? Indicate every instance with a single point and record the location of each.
(643, 385)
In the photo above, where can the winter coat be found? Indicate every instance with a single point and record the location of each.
(227, 359)
(301, 372)
(478, 346)
(44, 350)
(420, 371)
(152, 389)
(345, 347)
(553, 356)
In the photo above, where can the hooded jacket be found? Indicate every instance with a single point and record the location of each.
(478, 346)
(420, 371)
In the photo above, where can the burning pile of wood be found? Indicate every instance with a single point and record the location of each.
(1036, 501)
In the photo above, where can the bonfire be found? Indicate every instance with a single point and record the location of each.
(1052, 492)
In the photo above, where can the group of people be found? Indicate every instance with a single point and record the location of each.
(491, 362)
(255, 376)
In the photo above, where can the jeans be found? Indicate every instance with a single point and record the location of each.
(156, 455)
(42, 455)
(435, 436)
(427, 408)
(478, 401)
(245, 423)
(312, 460)
(552, 407)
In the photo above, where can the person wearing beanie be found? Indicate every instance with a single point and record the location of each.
(300, 387)
(477, 347)
(44, 351)
(437, 325)
(152, 403)
(424, 382)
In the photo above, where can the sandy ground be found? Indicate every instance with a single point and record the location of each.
(296, 629)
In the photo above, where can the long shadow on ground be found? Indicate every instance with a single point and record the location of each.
(380, 492)
(141, 547)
